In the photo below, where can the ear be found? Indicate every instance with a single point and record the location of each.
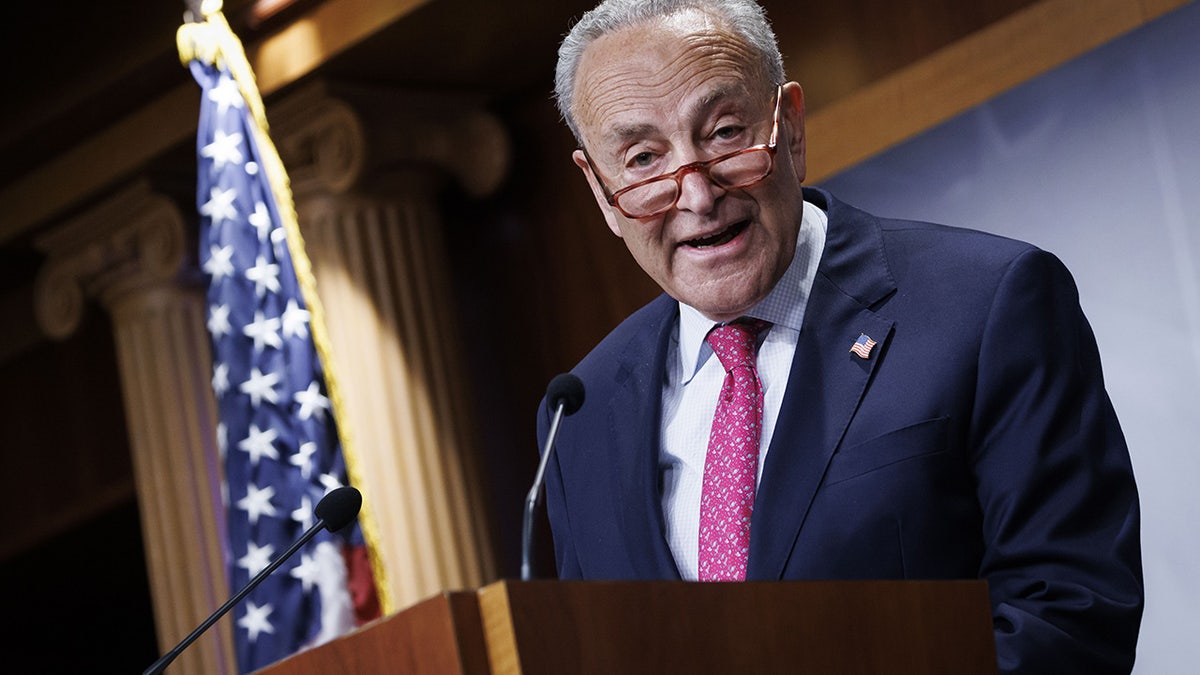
(792, 112)
(610, 214)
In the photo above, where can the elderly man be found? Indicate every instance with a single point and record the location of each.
(821, 393)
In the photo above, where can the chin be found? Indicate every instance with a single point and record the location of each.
(723, 311)
(726, 295)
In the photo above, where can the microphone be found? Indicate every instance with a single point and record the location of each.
(565, 396)
(335, 511)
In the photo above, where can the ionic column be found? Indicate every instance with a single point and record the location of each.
(366, 169)
(127, 253)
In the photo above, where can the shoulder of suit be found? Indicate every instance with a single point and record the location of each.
(951, 244)
(956, 239)
(634, 338)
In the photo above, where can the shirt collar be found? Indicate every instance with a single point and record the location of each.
(784, 306)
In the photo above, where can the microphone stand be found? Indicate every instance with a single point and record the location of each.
(532, 499)
(160, 665)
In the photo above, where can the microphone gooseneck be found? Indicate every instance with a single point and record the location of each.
(335, 511)
(564, 395)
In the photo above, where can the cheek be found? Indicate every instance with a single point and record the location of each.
(640, 246)
(644, 235)
(782, 206)
(647, 251)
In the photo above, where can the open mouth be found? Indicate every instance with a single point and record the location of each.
(723, 237)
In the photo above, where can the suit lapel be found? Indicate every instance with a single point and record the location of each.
(826, 382)
(633, 422)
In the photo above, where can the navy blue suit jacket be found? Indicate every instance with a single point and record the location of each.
(977, 441)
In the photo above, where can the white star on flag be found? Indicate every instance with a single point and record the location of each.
(261, 387)
(295, 320)
(265, 276)
(226, 95)
(263, 331)
(303, 459)
(220, 380)
(304, 514)
(220, 263)
(259, 444)
(307, 572)
(261, 220)
(329, 482)
(312, 401)
(257, 558)
(255, 621)
(257, 502)
(224, 149)
(218, 321)
(279, 242)
(219, 206)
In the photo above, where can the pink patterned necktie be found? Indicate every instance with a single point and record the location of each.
(731, 466)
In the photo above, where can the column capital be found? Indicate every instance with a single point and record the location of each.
(332, 136)
(134, 240)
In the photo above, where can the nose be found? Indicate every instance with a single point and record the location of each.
(698, 193)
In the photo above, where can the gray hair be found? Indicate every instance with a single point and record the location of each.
(745, 18)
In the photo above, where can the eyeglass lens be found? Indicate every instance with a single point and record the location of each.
(734, 171)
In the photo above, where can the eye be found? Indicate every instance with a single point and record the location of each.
(728, 132)
(642, 159)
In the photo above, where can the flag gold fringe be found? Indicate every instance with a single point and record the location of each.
(214, 42)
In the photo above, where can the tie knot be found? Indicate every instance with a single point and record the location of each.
(736, 344)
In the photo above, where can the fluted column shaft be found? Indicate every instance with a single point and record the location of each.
(127, 253)
(378, 268)
(366, 170)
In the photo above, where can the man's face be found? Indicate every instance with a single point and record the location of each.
(653, 97)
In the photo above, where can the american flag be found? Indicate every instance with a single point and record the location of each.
(277, 435)
(862, 346)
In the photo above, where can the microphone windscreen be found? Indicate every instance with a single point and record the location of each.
(566, 389)
(339, 507)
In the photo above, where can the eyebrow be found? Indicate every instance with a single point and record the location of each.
(627, 132)
(622, 133)
(715, 97)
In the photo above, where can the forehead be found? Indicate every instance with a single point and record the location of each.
(649, 74)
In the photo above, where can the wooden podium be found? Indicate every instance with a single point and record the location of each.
(659, 627)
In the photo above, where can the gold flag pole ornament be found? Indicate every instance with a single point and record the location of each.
(213, 42)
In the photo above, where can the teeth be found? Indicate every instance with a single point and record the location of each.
(717, 239)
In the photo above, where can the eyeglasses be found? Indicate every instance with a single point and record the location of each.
(733, 171)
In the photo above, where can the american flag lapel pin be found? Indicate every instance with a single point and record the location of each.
(862, 346)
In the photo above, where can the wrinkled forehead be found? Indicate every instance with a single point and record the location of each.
(661, 68)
